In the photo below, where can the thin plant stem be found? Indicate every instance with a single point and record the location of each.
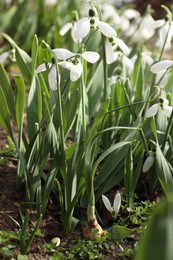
(82, 87)
(105, 71)
(61, 124)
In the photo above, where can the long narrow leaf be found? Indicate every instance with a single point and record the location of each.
(7, 89)
(164, 172)
(20, 100)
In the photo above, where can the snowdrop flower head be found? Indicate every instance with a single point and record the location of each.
(111, 45)
(73, 61)
(70, 26)
(148, 162)
(84, 25)
(161, 66)
(163, 105)
(113, 209)
(165, 27)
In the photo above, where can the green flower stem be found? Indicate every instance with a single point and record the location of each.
(164, 44)
(122, 107)
(105, 70)
(61, 125)
(82, 88)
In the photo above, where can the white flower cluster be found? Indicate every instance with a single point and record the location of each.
(73, 61)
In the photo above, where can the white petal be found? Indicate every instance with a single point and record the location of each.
(165, 35)
(41, 68)
(158, 23)
(167, 110)
(117, 203)
(148, 163)
(3, 57)
(152, 110)
(131, 14)
(73, 31)
(165, 101)
(75, 72)
(109, 52)
(122, 45)
(106, 29)
(63, 54)
(107, 203)
(82, 28)
(52, 78)
(65, 29)
(66, 64)
(161, 66)
(90, 56)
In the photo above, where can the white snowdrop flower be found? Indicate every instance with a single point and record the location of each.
(145, 29)
(111, 44)
(109, 12)
(163, 105)
(53, 75)
(72, 61)
(161, 66)
(165, 33)
(148, 162)
(113, 209)
(3, 56)
(84, 25)
(69, 26)
(66, 28)
(131, 14)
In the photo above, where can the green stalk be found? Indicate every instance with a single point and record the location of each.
(82, 88)
(61, 128)
(164, 44)
(105, 71)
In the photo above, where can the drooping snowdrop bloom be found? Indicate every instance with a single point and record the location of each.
(70, 26)
(53, 74)
(73, 61)
(111, 44)
(84, 25)
(148, 162)
(165, 33)
(143, 30)
(163, 105)
(113, 209)
(161, 66)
